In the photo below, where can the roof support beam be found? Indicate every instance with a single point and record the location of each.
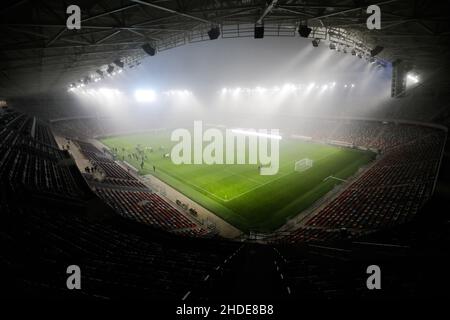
(351, 10)
(15, 49)
(56, 37)
(143, 35)
(18, 3)
(30, 25)
(107, 37)
(295, 11)
(70, 55)
(107, 13)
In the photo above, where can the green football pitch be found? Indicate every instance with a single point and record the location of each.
(238, 193)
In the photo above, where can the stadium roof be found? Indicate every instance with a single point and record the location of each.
(38, 53)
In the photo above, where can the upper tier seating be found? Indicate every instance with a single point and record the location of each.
(33, 164)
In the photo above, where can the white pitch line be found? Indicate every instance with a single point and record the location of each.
(332, 177)
(259, 186)
(194, 185)
(220, 198)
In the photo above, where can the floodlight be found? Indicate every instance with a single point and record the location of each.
(149, 49)
(413, 78)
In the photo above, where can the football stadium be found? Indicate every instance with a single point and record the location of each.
(239, 194)
(224, 158)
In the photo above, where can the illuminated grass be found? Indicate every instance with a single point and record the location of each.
(238, 193)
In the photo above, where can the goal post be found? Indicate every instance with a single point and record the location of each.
(303, 165)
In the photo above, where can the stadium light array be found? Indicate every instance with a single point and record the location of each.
(119, 63)
(110, 69)
(109, 93)
(178, 93)
(324, 87)
(315, 42)
(236, 91)
(287, 88)
(358, 51)
(113, 68)
(95, 77)
(413, 78)
(140, 95)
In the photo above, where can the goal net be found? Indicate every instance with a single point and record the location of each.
(302, 165)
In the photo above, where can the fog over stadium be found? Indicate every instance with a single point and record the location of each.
(271, 76)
